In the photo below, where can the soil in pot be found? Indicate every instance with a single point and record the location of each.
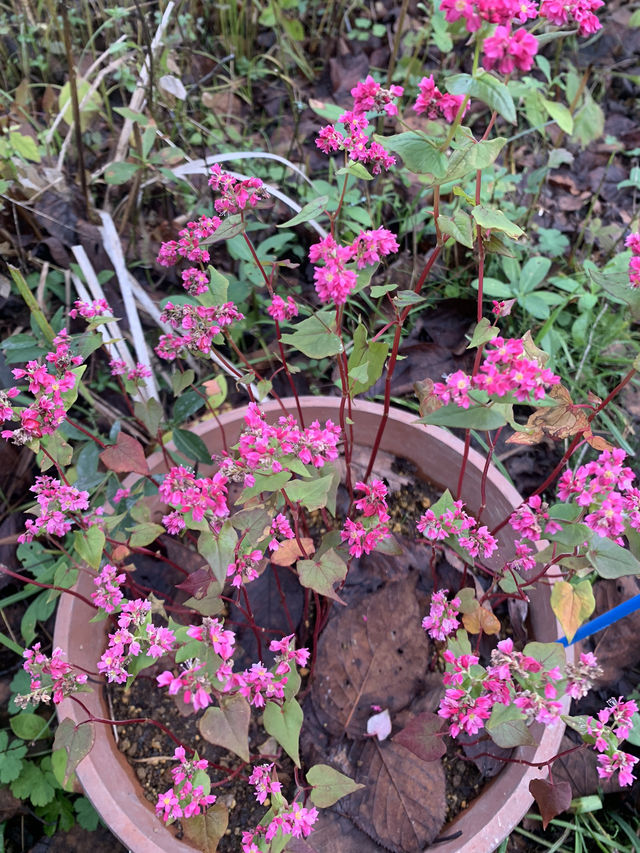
(387, 596)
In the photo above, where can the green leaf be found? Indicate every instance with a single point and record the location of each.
(120, 172)
(265, 483)
(322, 573)
(495, 220)
(311, 210)
(34, 784)
(219, 551)
(25, 146)
(610, 560)
(312, 494)
(370, 356)
(474, 156)
(483, 333)
(475, 417)
(378, 290)
(144, 534)
(356, 170)
(572, 604)
(150, 413)
(206, 830)
(284, 724)
(76, 741)
(87, 816)
(550, 655)
(533, 273)
(329, 785)
(89, 545)
(486, 88)
(419, 155)
(29, 726)
(10, 758)
(254, 523)
(560, 114)
(186, 406)
(191, 445)
(38, 610)
(588, 122)
(616, 284)
(228, 725)
(218, 286)
(405, 298)
(315, 337)
(180, 381)
(231, 226)
(460, 227)
(507, 727)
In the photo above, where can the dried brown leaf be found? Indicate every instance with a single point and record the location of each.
(371, 654)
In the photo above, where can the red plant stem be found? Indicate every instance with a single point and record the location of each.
(57, 467)
(27, 580)
(485, 471)
(283, 599)
(292, 384)
(249, 243)
(476, 363)
(252, 622)
(574, 444)
(295, 512)
(546, 763)
(249, 367)
(149, 553)
(393, 359)
(86, 432)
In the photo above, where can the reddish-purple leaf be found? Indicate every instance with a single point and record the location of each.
(206, 830)
(125, 456)
(228, 725)
(423, 736)
(552, 799)
(197, 583)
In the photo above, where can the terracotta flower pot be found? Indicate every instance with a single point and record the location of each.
(109, 781)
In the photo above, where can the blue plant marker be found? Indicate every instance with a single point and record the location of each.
(603, 621)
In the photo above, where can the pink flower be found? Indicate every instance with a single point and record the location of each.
(432, 102)
(281, 310)
(442, 619)
(507, 51)
(369, 95)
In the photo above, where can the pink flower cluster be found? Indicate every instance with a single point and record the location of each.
(581, 675)
(281, 310)
(56, 501)
(606, 487)
(288, 654)
(432, 102)
(505, 370)
(279, 527)
(333, 281)
(89, 310)
(135, 374)
(187, 797)
(442, 619)
(213, 633)
(187, 493)
(108, 594)
(199, 325)
(369, 95)
(195, 684)
(264, 447)
(513, 678)
(355, 143)
(613, 726)
(297, 821)
(530, 516)
(562, 12)
(633, 242)
(264, 781)
(474, 12)
(59, 678)
(456, 522)
(135, 636)
(188, 245)
(235, 195)
(363, 538)
(47, 412)
(244, 568)
(506, 12)
(508, 51)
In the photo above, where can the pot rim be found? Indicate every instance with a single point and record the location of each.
(106, 776)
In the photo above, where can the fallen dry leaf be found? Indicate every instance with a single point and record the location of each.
(289, 551)
(372, 654)
(402, 804)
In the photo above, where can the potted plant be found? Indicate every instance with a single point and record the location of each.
(281, 456)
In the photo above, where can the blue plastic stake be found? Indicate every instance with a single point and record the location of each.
(603, 621)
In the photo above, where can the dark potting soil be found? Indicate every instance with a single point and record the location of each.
(150, 751)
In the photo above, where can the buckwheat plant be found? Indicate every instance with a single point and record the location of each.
(282, 469)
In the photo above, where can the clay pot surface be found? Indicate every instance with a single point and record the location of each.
(107, 778)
